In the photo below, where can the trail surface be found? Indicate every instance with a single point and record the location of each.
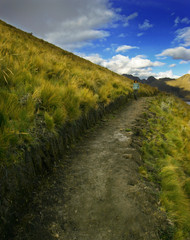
(98, 193)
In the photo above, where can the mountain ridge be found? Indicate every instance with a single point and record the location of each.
(180, 87)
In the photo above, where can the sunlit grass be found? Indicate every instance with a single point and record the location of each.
(166, 150)
(43, 85)
(183, 83)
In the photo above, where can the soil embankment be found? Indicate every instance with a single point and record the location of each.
(98, 193)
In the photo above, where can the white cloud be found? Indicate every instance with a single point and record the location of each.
(146, 25)
(172, 65)
(183, 36)
(183, 62)
(176, 53)
(107, 49)
(95, 58)
(188, 72)
(129, 18)
(69, 24)
(124, 48)
(167, 74)
(176, 21)
(137, 66)
(179, 20)
(140, 34)
(185, 20)
(122, 35)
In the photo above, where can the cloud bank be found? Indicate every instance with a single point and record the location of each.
(138, 66)
(69, 24)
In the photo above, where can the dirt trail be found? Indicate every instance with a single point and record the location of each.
(98, 193)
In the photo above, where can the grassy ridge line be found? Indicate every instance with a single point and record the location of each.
(183, 83)
(167, 158)
(43, 87)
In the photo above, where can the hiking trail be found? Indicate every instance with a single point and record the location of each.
(97, 193)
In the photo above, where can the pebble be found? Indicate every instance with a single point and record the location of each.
(127, 156)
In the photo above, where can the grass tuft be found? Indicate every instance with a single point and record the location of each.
(49, 121)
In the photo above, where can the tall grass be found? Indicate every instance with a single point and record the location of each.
(167, 157)
(43, 85)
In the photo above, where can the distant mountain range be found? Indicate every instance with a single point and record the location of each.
(179, 87)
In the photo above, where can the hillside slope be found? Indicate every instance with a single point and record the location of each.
(42, 85)
(183, 83)
(48, 98)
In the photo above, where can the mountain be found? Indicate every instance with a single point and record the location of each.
(132, 77)
(162, 85)
(179, 87)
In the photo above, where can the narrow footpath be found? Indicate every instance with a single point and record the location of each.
(97, 193)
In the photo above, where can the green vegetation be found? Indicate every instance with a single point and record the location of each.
(43, 86)
(167, 158)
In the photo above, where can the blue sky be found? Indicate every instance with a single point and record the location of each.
(139, 37)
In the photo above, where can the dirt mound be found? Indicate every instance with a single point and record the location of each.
(98, 193)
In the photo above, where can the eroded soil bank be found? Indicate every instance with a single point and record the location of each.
(97, 193)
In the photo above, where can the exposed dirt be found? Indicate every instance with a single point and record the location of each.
(97, 193)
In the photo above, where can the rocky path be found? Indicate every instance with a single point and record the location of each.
(97, 193)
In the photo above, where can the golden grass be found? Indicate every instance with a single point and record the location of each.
(183, 83)
(41, 83)
(167, 151)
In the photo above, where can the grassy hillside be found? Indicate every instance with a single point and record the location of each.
(167, 159)
(43, 86)
(183, 83)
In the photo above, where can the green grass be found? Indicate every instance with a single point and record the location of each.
(167, 158)
(43, 85)
(128, 130)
